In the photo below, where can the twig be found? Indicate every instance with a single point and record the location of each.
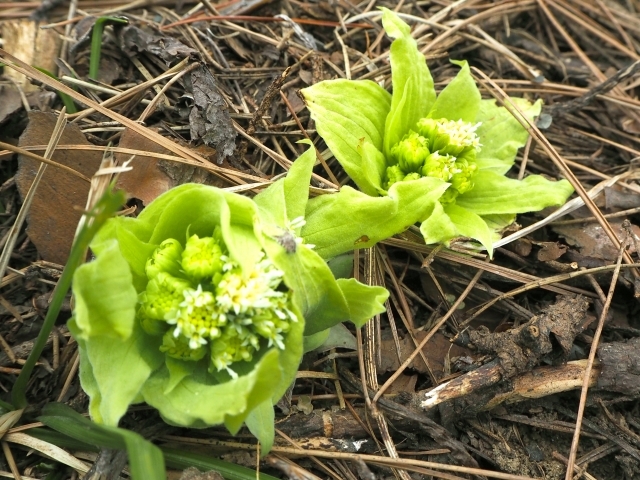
(592, 356)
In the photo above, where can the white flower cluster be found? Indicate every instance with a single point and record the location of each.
(461, 133)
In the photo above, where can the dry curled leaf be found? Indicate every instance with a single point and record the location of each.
(209, 117)
(61, 196)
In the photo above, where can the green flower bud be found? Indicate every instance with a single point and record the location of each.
(410, 153)
(179, 347)
(450, 137)
(393, 174)
(430, 129)
(462, 180)
(439, 166)
(166, 258)
(152, 326)
(164, 296)
(412, 176)
(201, 257)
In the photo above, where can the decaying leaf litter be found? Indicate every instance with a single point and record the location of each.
(234, 123)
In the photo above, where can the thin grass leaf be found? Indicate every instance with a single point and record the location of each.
(181, 460)
(96, 42)
(66, 99)
(145, 459)
(174, 458)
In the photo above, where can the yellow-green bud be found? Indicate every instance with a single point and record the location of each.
(449, 196)
(178, 347)
(166, 258)
(164, 295)
(462, 180)
(393, 175)
(436, 136)
(412, 176)
(201, 257)
(152, 326)
(438, 166)
(410, 152)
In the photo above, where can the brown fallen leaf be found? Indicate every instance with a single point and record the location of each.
(209, 118)
(152, 176)
(60, 198)
(550, 251)
(436, 351)
(592, 241)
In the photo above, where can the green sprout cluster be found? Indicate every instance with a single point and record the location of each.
(203, 303)
(443, 149)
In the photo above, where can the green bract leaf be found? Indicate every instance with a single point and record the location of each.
(413, 91)
(369, 219)
(497, 194)
(119, 369)
(471, 225)
(346, 112)
(501, 134)
(311, 342)
(460, 100)
(260, 423)
(191, 402)
(287, 198)
(105, 297)
(365, 301)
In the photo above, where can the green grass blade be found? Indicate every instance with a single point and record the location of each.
(66, 99)
(96, 43)
(145, 459)
(108, 205)
(181, 460)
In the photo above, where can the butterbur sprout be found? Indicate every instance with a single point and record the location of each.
(197, 297)
(195, 308)
(416, 156)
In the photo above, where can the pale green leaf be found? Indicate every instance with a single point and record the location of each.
(287, 198)
(260, 423)
(119, 369)
(413, 91)
(314, 288)
(313, 341)
(338, 336)
(502, 134)
(364, 301)
(469, 224)
(199, 401)
(496, 194)
(350, 219)
(105, 298)
(346, 113)
(438, 227)
(499, 222)
(460, 99)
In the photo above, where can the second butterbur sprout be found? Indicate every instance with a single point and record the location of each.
(204, 304)
(443, 149)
